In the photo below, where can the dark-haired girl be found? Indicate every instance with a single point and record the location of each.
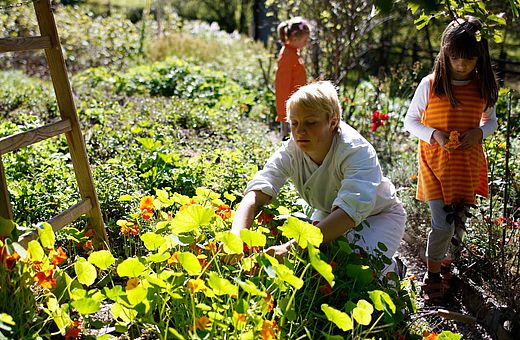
(458, 100)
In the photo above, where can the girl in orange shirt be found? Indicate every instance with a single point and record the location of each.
(452, 111)
(290, 73)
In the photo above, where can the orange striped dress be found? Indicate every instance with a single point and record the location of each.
(460, 174)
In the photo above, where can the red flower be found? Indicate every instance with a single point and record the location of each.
(7, 259)
(45, 279)
(58, 256)
(89, 232)
(88, 245)
(265, 218)
(73, 330)
(269, 301)
(224, 211)
(146, 213)
(326, 289)
(374, 127)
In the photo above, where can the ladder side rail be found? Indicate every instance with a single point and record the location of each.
(5, 205)
(67, 110)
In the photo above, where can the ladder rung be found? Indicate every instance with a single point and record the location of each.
(71, 214)
(26, 138)
(24, 43)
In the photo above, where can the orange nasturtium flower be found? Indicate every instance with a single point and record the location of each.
(45, 279)
(224, 211)
(202, 323)
(431, 336)
(174, 259)
(196, 285)
(268, 330)
(132, 283)
(8, 260)
(146, 207)
(57, 256)
(88, 245)
(269, 302)
(454, 142)
(146, 202)
(239, 319)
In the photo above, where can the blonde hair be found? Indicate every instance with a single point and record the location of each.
(320, 97)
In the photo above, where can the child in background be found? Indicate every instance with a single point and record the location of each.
(290, 73)
(457, 100)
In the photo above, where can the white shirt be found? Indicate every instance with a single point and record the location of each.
(412, 120)
(349, 178)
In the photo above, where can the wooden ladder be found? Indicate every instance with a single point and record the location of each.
(69, 125)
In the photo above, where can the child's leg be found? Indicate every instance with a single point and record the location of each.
(284, 130)
(439, 237)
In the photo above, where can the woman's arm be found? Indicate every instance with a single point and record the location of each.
(335, 224)
(248, 209)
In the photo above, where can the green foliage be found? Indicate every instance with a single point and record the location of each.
(492, 22)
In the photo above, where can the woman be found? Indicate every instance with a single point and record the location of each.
(334, 169)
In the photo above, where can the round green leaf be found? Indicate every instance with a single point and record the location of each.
(362, 313)
(101, 259)
(191, 218)
(232, 243)
(85, 271)
(152, 240)
(339, 318)
(131, 267)
(87, 306)
(221, 286)
(252, 238)
(302, 232)
(190, 263)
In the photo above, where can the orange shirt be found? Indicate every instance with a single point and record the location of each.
(459, 174)
(290, 75)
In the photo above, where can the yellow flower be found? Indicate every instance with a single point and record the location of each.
(196, 285)
(268, 329)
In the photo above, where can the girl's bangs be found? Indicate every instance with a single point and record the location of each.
(463, 46)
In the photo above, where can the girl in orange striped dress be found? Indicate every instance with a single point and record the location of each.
(452, 111)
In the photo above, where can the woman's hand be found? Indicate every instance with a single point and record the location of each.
(280, 251)
(441, 138)
(470, 138)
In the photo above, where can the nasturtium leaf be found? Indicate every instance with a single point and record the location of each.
(159, 257)
(191, 218)
(7, 319)
(232, 243)
(361, 273)
(36, 251)
(221, 286)
(152, 240)
(206, 193)
(190, 263)
(250, 287)
(87, 306)
(378, 296)
(101, 259)
(321, 266)
(136, 295)
(230, 197)
(78, 294)
(113, 293)
(448, 335)
(362, 313)
(85, 271)
(6, 226)
(125, 198)
(286, 274)
(46, 235)
(302, 232)
(122, 313)
(283, 210)
(131, 267)
(252, 238)
(161, 194)
(339, 318)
